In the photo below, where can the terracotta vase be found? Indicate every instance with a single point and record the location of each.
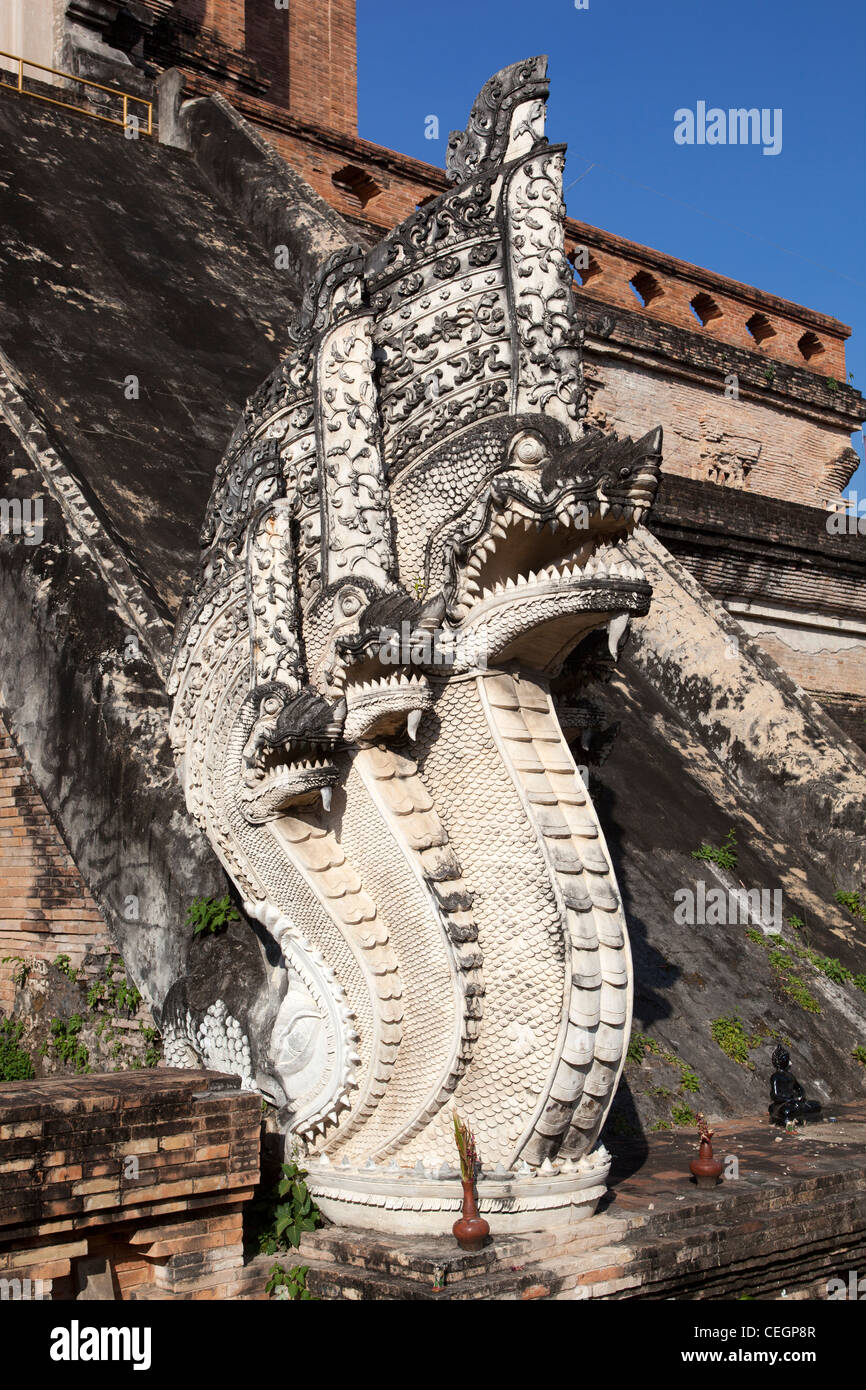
(470, 1230)
(706, 1169)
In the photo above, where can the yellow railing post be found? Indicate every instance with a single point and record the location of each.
(126, 97)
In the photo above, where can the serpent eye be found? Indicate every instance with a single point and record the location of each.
(271, 704)
(350, 602)
(527, 451)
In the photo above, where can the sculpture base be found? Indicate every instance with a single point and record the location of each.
(414, 1201)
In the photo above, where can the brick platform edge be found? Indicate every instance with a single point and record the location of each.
(794, 1219)
(127, 1186)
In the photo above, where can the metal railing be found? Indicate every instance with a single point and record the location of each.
(126, 97)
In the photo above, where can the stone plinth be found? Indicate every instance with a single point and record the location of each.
(793, 1219)
(422, 1201)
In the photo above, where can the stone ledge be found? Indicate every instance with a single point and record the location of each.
(794, 1219)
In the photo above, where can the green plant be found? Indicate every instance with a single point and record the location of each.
(795, 923)
(210, 915)
(731, 1036)
(107, 999)
(683, 1114)
(832, 384)
(639, 1045)
(795, 989)
(725, 854)
(280, 1217)
(835, 970)
(21, 972)
(15, 1063)
(65, 966)
(660, 1124)
(779, 958)
(770, 375)
(289, 1284)
(66, 1042)
(859, 1054)
(151, 1051)
(859, 981)
(853, 902)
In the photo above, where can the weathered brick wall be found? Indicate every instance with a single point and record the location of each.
(817, 661)
(746, 443)
(298, 57)
(138, 1181)
(323, 63)
(45, 907)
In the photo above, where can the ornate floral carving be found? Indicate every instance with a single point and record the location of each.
(486, 138)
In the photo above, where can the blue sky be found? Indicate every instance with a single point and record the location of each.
(792, 223)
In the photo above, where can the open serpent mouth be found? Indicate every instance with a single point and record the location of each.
(279, 776)
(547, 558)
(522, 553)
(288, 755)
(273, 763)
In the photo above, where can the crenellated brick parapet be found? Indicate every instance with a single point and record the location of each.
(729, 416)
(616, 271)
(292, 72)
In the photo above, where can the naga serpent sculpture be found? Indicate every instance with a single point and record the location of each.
(412, 532)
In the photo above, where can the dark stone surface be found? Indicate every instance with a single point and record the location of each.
(93, 728)
(278, 208)
(119, 260)
(653, 795)
(765, 547)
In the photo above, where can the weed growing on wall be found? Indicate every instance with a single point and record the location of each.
(735, 1042)
(641, 1044)
(290, 1285)
(15, 1063)
(207, 916)
(279, 1218)
(725, 854)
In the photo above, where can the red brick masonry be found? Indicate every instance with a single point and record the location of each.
(132, 1183)
(45, 907)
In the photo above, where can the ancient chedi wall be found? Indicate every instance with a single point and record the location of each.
(292, 72)
(752, 388)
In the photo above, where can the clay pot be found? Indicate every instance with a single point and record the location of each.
(706, 1169)
(470, 1230)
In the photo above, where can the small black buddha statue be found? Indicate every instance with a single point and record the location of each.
(787, 1097)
